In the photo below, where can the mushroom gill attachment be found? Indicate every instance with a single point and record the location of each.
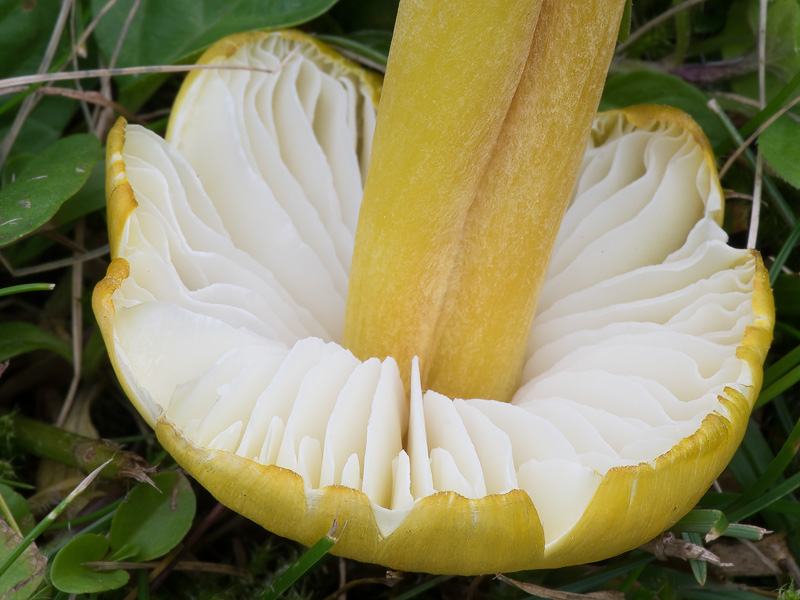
(223, 311)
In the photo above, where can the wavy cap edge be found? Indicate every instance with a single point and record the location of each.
(120, 199)
(491, 534)
(634, 504)
(228, 46)
(443, 533)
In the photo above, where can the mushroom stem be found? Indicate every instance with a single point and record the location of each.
(453, 69)
(470, 173)
(512, 224)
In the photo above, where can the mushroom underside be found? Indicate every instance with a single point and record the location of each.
(226, 330)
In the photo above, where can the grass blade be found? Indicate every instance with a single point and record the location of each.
(42, 525)
(781, 367)
(699, 567)
(781, 205)
(771, 108)
(757, 504)
(312, 556)
(771, 474)
(26, 287)
(785, 251)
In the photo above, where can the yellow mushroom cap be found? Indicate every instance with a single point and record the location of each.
(223, 311)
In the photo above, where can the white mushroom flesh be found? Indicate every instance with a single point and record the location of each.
(240, 250)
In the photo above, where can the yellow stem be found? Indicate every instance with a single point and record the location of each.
(480, 133)
(453, 70)
(512, 225)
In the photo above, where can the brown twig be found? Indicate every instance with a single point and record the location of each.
(337, 595)
(89, 73)
(184, 565)
(90, 97)
(56, 264)
(77, 326)
(543, 592)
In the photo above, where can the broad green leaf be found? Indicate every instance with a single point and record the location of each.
(19, 509)
(128, 551)
(45, 183)
(24, 25)
(163, 33)
(779, 144)
(70, 575)
(154, 520)
(15, 164)
(90, 198)
(25, 28)
(783, 21)
(27, 572)
(649, 87)
(43, 127)
(19, 337)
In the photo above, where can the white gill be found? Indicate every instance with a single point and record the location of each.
(240, 250)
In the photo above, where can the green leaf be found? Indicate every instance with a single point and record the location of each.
(27, 571)
(154, 520)
(128, 551)
(714, 524)
(24, 25)
(166, 32)
(15, 164)
(45, 183)
(649, 87)
(783, 19)
(90, 198)
(42, 128)
(19, 508)
(703, 520)
(778, 142)
(19, 337)
(70, 575)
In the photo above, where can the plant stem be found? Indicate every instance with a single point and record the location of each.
(86, 454)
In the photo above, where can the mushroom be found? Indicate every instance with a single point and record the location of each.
(223, 309)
